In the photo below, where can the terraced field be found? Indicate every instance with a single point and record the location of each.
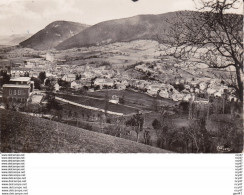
(27, 134)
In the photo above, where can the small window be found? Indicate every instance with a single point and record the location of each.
(14, 91)
(10, 92)
(19, 92)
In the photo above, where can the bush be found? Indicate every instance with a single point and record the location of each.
(184, 106)
(108, 120)
(156, 124)
(121, 100)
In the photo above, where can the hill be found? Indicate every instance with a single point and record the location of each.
(123, 30)
(53, 34)
(14, 39)
(24, 133)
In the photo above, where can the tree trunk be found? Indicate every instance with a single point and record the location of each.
(137, 136)
(187, 146)
(239, 83)
(223, 105)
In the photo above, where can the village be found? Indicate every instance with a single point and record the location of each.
(175, 80)
(97, 97)
(86, 78)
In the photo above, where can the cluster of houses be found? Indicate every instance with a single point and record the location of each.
(203, 85)
(105, 77)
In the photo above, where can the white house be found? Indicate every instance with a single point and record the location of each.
(187, 87)
(217, 94)
(164, 93)
(177, 96)
(114, 100)
(56, 87)
(121, 86)
(104, 82)
(125, 82)
(69, 77)
(203, 86)
(211, 91)
(75, 85)
(197, 90)
(153, 89)
(187, 97)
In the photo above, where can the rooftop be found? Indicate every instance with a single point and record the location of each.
(25, 79)
(16, 86)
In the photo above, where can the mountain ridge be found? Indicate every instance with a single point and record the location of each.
(53, 34)
(147, 26)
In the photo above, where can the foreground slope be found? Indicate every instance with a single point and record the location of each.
(24, 133)
(53, 34)
(127, 29)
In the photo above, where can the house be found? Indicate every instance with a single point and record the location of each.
(15, 93)
(188, 87)
(153, 89)
(133, 82)
(75, 85)
(18, 91)
(194, 83)
(177, 96)
(141, 84)
(21, 81)
(211, 91)
(182, 81)
(104, 82)
(114, 100)
(56, 87)
(125, 82)
(187, 97)
(177, 81)
(78, 84)
(218, 89)
(217, 94)
(17, 71)
(51, 75)
(49, 57)
(164, 93)
(69, 77)
(197, 90)
(203, 86)
(85, 82)
(120, 86)
(99, 81)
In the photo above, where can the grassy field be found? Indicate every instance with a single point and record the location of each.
(24, 133)
(98, 103)
(132, 98)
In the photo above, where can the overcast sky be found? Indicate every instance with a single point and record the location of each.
(30, 16)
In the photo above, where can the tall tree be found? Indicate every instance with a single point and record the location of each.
(106, 101)
(5, 78)
(136, 122)
(42, 76)
(214, 35)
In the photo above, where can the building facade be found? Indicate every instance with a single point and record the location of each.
(16, 93)
(18, 90)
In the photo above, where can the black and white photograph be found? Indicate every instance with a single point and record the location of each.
(121, 76)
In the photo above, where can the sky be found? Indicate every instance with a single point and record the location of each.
(30, 16)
